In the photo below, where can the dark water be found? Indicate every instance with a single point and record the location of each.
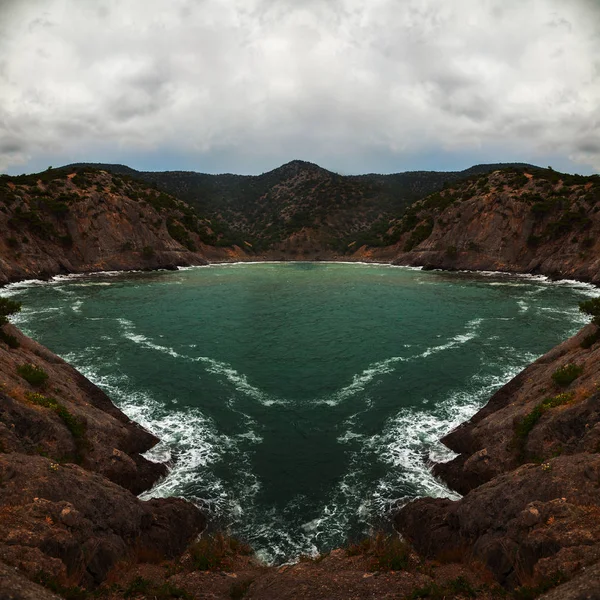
(299, 402)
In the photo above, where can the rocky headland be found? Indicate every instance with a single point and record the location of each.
(72, 465)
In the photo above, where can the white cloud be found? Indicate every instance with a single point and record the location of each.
(336, 79)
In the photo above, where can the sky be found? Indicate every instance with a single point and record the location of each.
(243, 86)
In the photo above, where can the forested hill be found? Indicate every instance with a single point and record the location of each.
(299, 203)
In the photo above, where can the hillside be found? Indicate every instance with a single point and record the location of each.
(78, 220)
(299, 208)
(519, 220)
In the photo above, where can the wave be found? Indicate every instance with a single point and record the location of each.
(237, 379)
(361, 380)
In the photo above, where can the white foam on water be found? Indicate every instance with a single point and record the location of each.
(238, 380)
(361, 380)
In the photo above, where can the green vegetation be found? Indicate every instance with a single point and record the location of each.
(529, 421)
(8, 307)
(180, 234)
(215, 552)
(76, 426)
(148, 252)
(32, 374)
(591, 307)
(420, 234)
(10, 340)
(591, 339)
(566, 374)
(387, 552)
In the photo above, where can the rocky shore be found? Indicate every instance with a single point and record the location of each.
(72, 465)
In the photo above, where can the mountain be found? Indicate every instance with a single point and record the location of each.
(78, 220)
(298, 208)
(518, 220)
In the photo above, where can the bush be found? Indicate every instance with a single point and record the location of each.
(529, 421)
(215, 552)
(148, 252)
(420, 234)
(33, 374)
(10, 340)
(566, 374)
(387, 553)
(76, 426)
(590, 340)
(591, 307)
(8, 307)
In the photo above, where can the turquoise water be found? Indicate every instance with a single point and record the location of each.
(299, 403)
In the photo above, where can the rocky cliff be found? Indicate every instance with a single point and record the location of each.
(516, 220)
(528, 465)
(71, 221)
(71, 465)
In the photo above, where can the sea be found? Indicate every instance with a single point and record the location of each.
(299, 404)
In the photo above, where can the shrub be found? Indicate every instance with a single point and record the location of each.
(591, 307)
(33, 374)
(8, 307)
(529, 421)
(148, 252)
(566, 374)
(76, 426)
(387, 553)
(590, 340)
(214, 552)
(420, 234)
(10, 340)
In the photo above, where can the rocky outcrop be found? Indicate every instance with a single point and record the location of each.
(520, 221)
(71, 465)
(67, 221)
(529, 466)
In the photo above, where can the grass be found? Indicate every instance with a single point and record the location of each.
(566, 374)
(32, 374)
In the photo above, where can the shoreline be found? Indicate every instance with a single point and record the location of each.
(421, 511)
(542, 278)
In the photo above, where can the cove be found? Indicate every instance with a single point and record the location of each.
(299, 403)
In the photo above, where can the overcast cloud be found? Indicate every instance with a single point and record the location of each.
(245, 85)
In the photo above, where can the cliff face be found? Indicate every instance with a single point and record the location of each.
(535, 221)
(529, 466)
(66, 221)
(70, 466)
(300, 210)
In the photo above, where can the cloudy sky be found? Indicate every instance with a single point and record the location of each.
(245, 85)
